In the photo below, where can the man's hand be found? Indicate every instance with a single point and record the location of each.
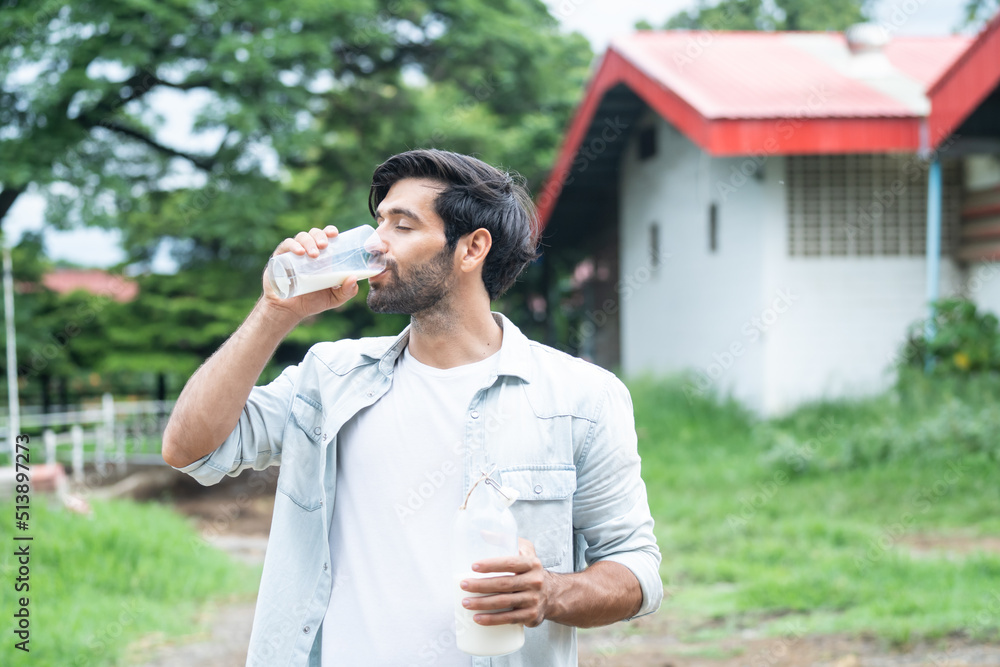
(604, 593)
(300, 307)
(212, 401)
(528, 594)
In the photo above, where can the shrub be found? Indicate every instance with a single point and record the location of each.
(930, 418)
(965, 340)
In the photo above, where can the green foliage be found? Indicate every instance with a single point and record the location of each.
(45, 321)
(726, 15)
(779, 15)
(747, 543)
(965, 340)
(296, 105)
(921, 418)
(978, 12)
(98, 583)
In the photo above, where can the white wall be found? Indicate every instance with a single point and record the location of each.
(848, 324)
(691, 311)
(982, 172)
(804, 328)
(984, 286)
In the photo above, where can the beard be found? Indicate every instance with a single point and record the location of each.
(421, 288)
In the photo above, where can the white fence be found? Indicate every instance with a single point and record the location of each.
(114, 433)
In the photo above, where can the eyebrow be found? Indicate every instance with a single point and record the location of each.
(399, 212)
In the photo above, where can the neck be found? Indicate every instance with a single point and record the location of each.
(446, 337)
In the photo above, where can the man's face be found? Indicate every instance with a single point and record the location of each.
(419, 266)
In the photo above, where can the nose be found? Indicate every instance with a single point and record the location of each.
(374, 244)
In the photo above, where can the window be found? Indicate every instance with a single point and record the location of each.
(647, 142)
(865, 205)
(713, 227)
(654, 245)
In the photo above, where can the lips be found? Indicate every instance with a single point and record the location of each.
(378, 276)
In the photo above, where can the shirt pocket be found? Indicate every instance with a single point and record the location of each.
(300, 473)
(544, 510)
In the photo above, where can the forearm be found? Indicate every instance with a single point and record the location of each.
(210, 404)
(604, 593)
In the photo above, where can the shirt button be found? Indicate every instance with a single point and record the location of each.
(475, 414)
(371, 393)
(324, 567)
(317, 430)
(306, 630)
(538, 488)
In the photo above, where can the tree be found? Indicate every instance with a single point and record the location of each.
(297, 105)
(779, 15)
(49, 360)
(287, 85)
(978, 12)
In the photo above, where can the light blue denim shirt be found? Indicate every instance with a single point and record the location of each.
(558, 429)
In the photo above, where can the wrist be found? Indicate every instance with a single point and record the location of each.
(555, 598)
(272, 318)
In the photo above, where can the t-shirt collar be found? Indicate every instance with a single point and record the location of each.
(514, 358)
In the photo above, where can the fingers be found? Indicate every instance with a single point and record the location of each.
(347, 290)
(308, 243)
(508, 584)
(501, 601)
(528, 616)
(515, 564)
(522, 607)
(525, 547)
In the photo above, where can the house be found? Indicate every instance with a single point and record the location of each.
(95, 281)
(758, 205)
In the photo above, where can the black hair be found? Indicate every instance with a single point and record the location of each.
(475, 195)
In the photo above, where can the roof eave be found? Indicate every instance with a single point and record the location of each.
(964, 85)
(724, 136)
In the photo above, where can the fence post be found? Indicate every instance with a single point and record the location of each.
(76, 433)
(49, 438)
(100, 447)
(121, 464)
(108, 408)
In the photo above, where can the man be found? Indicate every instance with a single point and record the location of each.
(378, 439)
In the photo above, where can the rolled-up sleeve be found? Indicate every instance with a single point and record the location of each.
(610, 508)
(255, 442)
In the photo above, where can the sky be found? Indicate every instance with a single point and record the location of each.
(599, 20)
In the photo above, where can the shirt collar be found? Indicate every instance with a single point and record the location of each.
(514, 355)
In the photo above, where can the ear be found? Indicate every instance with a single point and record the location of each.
(472, 250)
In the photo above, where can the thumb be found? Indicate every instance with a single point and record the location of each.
(347, 289)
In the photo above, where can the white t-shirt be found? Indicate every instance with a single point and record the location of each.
(399, 484)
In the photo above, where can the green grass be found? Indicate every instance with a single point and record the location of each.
(100, 582)
(796, 524)
(817, 541)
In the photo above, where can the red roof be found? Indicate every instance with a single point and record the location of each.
(94, 281)
(965, 84)
(774, 75)
(752, 93)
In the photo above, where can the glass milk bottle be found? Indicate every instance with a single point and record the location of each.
(484, 528)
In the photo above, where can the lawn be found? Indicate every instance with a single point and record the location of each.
(807, 524)
(99, 582)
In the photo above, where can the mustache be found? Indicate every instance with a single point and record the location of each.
(392, 267)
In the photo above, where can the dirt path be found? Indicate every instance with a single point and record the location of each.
(651, 644)
(224, 644)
